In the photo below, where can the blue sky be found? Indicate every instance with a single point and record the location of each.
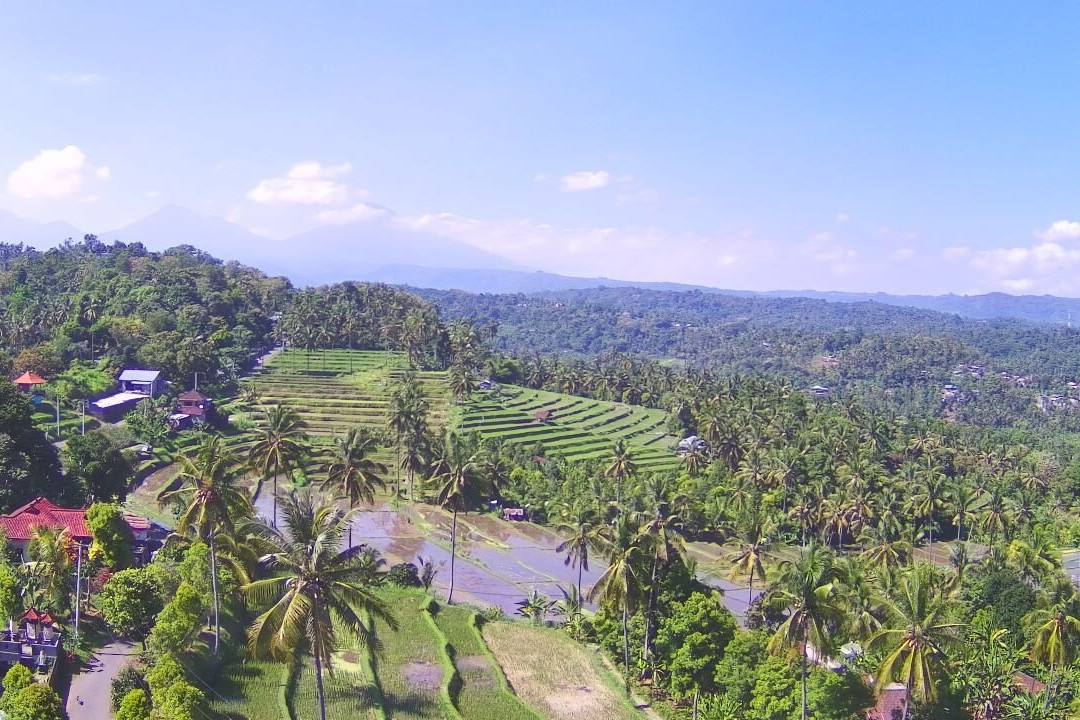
(905, 147)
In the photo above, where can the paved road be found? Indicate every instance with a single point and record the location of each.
(94, 683)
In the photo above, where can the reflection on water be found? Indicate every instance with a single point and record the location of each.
(486, 574)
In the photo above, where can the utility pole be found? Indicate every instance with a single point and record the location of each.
(78, 591)
(196, 380)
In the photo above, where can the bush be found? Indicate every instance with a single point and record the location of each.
(17, 678)
(36, 702)
(129, 678)
(135, 705)
(404, 575)
(111, 535)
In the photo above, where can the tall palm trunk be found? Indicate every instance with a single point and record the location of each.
(696, 693)
(579, 568)
(319, 694)
(214, 591)
(907, 697)
(453, 555)
(803, 671)
(650, 609)
(626, 635)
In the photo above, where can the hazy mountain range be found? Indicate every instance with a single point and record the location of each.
(380, 250)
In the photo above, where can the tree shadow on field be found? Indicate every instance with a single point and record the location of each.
(411, 703)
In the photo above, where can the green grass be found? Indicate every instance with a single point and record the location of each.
(481, 694)
(348, 693)
(408, 670)
(249, 691)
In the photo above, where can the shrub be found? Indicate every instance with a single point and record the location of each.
(36, 702)
(135, 705)
(129, 678)
(404, 575)
(17, 678)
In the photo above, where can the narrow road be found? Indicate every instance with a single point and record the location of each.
(89, 696)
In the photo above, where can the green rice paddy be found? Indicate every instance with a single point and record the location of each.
(578, 428)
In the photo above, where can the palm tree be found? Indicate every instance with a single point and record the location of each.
(315, 589)
(1056, 635)
(620, 466)
(279, 448)
(50, 550)
(806, 588)
(619, 587)
(916, 635)
(353, 472)
(583, 531)
(456, 476)
(661, 537)
(754, 542)
(210, 501)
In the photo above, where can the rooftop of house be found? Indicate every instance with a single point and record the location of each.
(29, 378)
(193, 396)
(140, 375)
(117, 399)
(40, 512)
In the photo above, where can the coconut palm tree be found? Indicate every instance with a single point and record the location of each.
(352, 472)
(806, 588)
(316, 591)
(583, 531)
(50, 551)
(210, 501)
(281, 444)
(754, 541)
(917, 634)
(1056, 634)
(455, 475)
(619, 587)
(620, 466)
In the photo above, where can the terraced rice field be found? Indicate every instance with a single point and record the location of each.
(483, 691)
(579, 429)
(575, 687)
(351, 388)
(341, 389)
(409, 670)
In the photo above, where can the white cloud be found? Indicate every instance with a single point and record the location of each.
(357, 213)
(77, 79)
(307, 183)
(842, 217)
(1060, 230)
(152, 194)
(50, 174)
(956, 252)
(585, 180)
(540, 178)
(103, 173)
(901, 254)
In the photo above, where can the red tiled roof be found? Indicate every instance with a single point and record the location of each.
(40, 512)
(31, 615)
(193, 396)
(29, 378)
(890, 703)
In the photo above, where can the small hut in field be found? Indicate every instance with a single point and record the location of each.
(28, 381)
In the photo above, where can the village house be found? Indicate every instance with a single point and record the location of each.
(17, 526)
(28, 381)
(819, 391)
(949, 394)
(133, 386)
(543, 416)
(192, 408)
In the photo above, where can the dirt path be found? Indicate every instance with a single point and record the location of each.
(89, 695)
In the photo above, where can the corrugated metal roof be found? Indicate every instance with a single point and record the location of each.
(140, 375)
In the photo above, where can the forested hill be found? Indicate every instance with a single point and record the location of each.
(868, 346)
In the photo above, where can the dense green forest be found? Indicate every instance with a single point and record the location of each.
(895, 359)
